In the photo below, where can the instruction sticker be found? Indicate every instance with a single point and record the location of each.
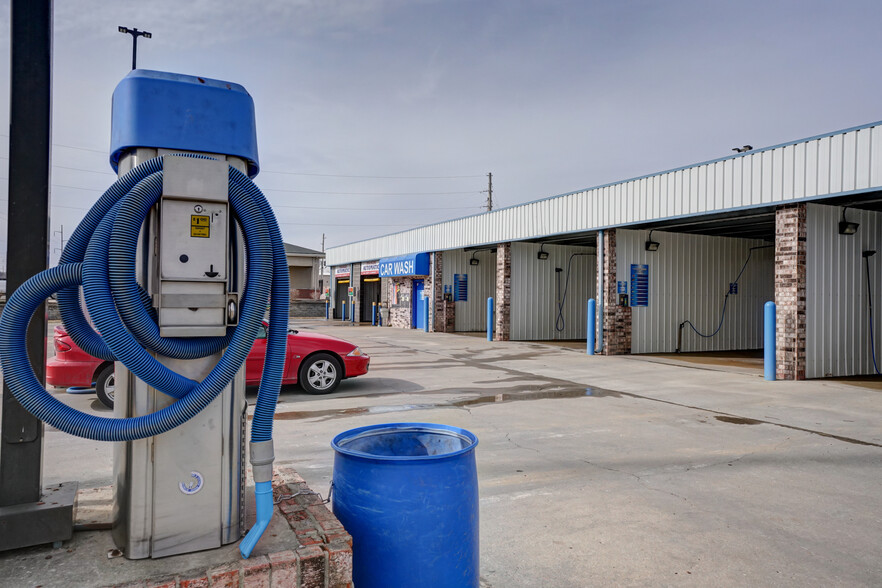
(199, 226)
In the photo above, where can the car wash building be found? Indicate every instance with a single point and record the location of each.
(682, 260)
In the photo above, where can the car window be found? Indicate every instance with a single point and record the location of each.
(261, 332)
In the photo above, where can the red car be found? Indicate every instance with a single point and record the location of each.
(317, 362)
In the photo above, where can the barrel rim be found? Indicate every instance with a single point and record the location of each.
(352, 434)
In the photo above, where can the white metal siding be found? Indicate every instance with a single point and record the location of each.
(837, 315)
(689, 276)
(471, 315)
(535, 291)
(841, 162)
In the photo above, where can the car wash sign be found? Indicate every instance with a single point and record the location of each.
(415, 264)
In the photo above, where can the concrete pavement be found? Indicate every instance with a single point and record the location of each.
(602, 470)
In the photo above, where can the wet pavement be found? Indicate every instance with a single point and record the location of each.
(607, 470)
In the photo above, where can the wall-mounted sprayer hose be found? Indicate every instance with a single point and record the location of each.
(101, 256)
(559, 323)
(725, 304)
(867, 255)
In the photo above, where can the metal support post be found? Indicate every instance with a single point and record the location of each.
(28, 516)
(327, 309)
(373, 314)
(343, 312)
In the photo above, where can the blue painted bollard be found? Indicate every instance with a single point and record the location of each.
(327, 309)
(373, 314)
(343, 313)
(769, 327)
(591, 325)
(426, 311)
(490, 319)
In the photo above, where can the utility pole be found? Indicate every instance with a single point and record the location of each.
(323, 254)
(489, 192)
(135, 33)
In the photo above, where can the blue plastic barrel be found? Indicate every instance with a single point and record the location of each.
(408, 495)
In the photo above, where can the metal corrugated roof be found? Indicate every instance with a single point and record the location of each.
(824, 166)
(298, 250)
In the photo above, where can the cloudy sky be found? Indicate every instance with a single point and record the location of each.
(375, 116)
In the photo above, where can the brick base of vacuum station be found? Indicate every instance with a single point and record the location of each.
(323, 558)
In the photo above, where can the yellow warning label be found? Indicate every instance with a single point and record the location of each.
(199, 226)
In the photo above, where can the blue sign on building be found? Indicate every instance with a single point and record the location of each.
(639, 284)
(460, 287)
(415, 264)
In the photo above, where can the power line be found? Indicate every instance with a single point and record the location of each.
(345, 225)
(102, 151)
(370, 177)
(78, 188)
(71, 207)
(378, 209)
(91, 171)
(371, 193)
(286, 173)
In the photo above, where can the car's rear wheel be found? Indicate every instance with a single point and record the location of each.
(105, 386)
(320, 374)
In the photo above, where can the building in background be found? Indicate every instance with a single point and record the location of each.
(678, 261)
(304, 272)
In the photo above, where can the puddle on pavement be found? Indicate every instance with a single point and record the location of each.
(737, 420)
(512, 395)
(475, 356)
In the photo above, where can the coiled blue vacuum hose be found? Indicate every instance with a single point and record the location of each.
(100, 256)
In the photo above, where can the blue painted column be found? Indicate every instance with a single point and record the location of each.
(373, 314)
(769, 328)
(351, 309)
(592, 325)
(490, 318)
(426, 307)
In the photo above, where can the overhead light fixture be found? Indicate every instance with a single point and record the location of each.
(846, 227)
(650, 244)
(542, 253)
(473, 260)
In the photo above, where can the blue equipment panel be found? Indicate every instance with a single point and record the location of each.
(639, 284)
(174, 111)
(460, 287)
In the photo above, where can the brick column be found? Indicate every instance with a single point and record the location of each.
(790, 246)
(436, 322)
(616, 319)
(400, 315)
(447, 321)
(502, 300)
